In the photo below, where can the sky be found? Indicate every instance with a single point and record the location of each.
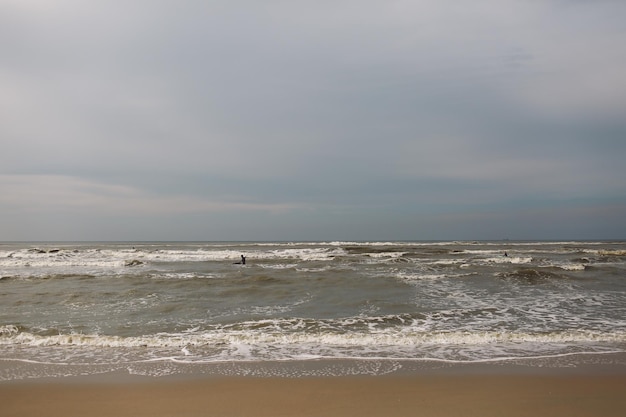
(312, 120)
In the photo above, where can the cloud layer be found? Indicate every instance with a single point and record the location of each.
(308, 120)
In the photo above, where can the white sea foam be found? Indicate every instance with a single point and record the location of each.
(569, 266)
(47, 262)
(612, 252)
(509, 259)
(279, 266)
(392, 255)
(274, 333)
(9, 330)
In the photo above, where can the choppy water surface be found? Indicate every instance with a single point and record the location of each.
(159, 308)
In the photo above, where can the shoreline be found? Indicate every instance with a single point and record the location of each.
(484, 389)
(586, 363)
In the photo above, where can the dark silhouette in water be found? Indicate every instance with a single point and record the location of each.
(242, 262)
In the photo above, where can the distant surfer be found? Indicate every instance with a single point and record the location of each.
(506, 254)
(242, 262)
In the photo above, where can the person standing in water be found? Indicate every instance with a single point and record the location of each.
(243, 260)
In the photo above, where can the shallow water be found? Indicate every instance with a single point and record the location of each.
(159, 308)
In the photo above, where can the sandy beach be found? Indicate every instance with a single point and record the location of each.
(553, 393)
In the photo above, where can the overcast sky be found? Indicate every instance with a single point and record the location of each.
(312, 120)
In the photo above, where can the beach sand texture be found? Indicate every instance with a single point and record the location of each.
(432, 395)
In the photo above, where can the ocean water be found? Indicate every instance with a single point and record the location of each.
(170, 308)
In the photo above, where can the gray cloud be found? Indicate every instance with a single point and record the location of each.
(296, 120)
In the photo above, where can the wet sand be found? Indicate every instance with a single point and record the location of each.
(435, 394)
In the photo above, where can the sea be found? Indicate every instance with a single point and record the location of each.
(307, 308)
